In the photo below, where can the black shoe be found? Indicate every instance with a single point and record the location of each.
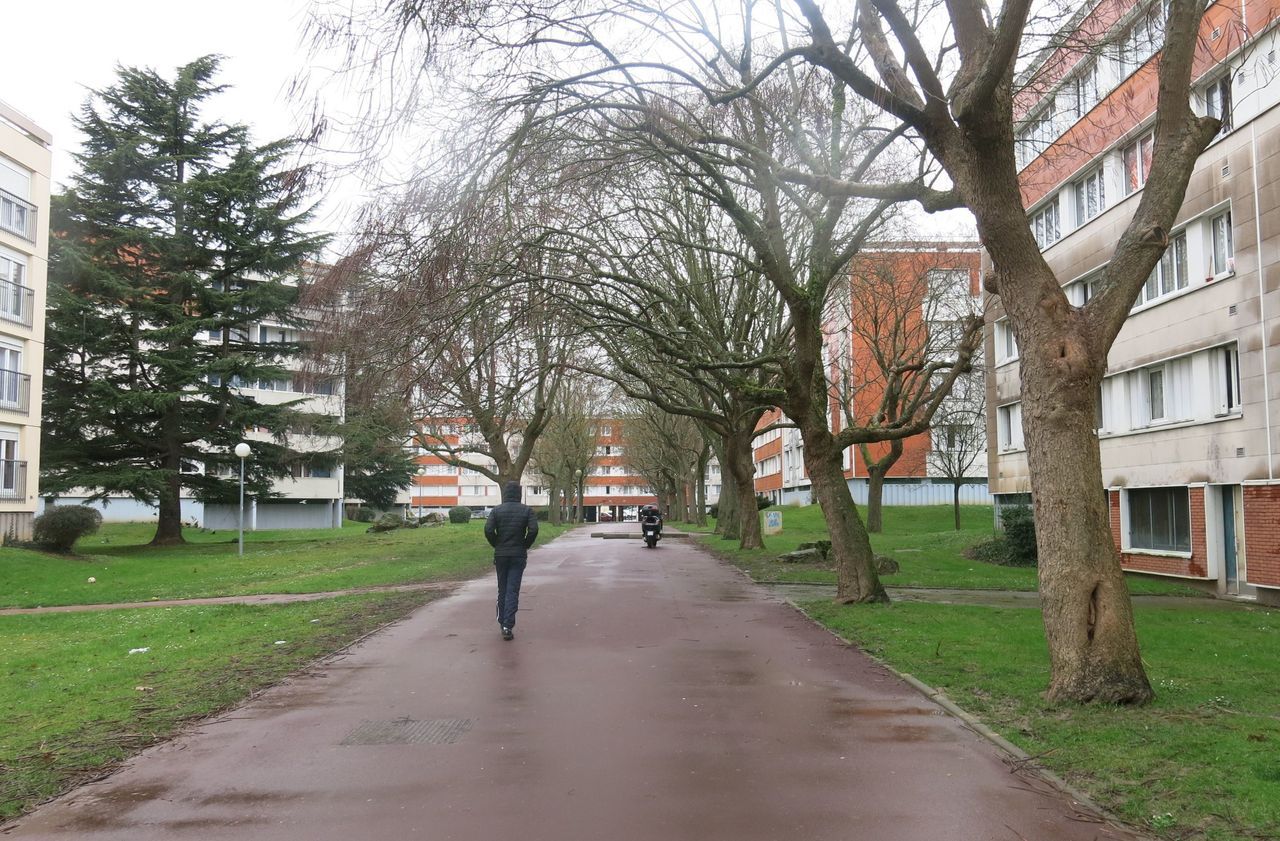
(507, 635)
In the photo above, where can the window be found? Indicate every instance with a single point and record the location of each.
(15, 179)
(1159, 519)
(1170, 274)
(1037, 134)
(11, 377)
(1223, 251)
(1085, 89)
(1009, 427)
(16, 300)
(606, 431)
(1217, 102)
(1136, 161)
(1080, 292)
(1045, 226)
(1226, 361)
(1144, 37)
(1006, 344)
(1155, 394)
(1091, 196)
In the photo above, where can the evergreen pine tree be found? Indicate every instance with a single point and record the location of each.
(169, 250)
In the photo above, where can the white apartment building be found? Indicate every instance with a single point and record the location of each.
(25, 160)
(1189, 424)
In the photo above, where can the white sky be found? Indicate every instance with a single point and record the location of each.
(56, 50)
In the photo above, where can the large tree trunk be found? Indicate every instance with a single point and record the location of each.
(553, 503)
(955, 501)
(169, 518)
(876, 472)
(856, 578)
(738, 454)
(728, 518)
(875, 495)
(1088, 615)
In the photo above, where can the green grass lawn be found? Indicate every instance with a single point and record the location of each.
(300, 561)
(921, 538)
(1201, 762)
(76, 701)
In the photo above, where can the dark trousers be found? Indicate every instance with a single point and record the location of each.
(510, 572)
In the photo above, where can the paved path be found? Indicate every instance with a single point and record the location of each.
(648, 696)
(263, 598)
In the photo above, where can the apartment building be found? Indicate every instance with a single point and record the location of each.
(1189, 417)
(902, 301)
(311, 496)
(611, 490)
(313, 493)
(25, 161)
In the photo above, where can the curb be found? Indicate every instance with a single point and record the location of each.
(975, 724)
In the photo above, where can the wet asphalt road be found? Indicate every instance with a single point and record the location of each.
(650, 695)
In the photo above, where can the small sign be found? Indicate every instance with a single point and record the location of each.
(773, 522)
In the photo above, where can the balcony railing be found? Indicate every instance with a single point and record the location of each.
(17, 303)
(17, 216)
(13, 479)
(15, 391)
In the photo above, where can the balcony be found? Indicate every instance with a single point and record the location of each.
(17, 303)
(17, 216)
(15, 391)
(13, 479)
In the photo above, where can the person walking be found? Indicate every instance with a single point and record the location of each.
(510, 529)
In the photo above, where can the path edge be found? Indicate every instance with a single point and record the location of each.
(979, 727)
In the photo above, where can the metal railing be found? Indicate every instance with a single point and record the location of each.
(13, 479)
(15, 390)
(17, 303)
(17, 216)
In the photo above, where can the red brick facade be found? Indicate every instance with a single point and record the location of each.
(1262, 534)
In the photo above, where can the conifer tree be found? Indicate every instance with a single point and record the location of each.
(170, 249)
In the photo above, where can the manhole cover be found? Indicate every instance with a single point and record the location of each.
(406, 731)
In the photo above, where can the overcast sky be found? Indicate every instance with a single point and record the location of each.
(56, 50)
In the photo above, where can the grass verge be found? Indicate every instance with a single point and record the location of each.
(77, 701)
(126, 569)
(1201, 762)
(921, 538)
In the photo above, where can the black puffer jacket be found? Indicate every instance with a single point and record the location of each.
(511, 527)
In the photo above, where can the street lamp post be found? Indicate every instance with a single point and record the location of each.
(422, 471)
(243, 451)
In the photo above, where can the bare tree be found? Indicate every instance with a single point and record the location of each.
(665, 449)
(564, 449)
(959, 436)
(964, 109)
(905, 304)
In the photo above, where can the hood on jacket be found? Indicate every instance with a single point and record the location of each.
(511, 492)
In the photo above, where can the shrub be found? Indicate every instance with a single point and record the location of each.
(60, 526)
(365, 515)
(714, 510)
(1020, 535)
(762, 502)
(1016, 547)
(542, 513)
(459, 514)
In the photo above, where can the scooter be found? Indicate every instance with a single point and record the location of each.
(651, 528)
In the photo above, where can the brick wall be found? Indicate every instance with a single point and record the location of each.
(1195, 566)
(1262, 534)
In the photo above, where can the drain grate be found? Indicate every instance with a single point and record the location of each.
(407, 731)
